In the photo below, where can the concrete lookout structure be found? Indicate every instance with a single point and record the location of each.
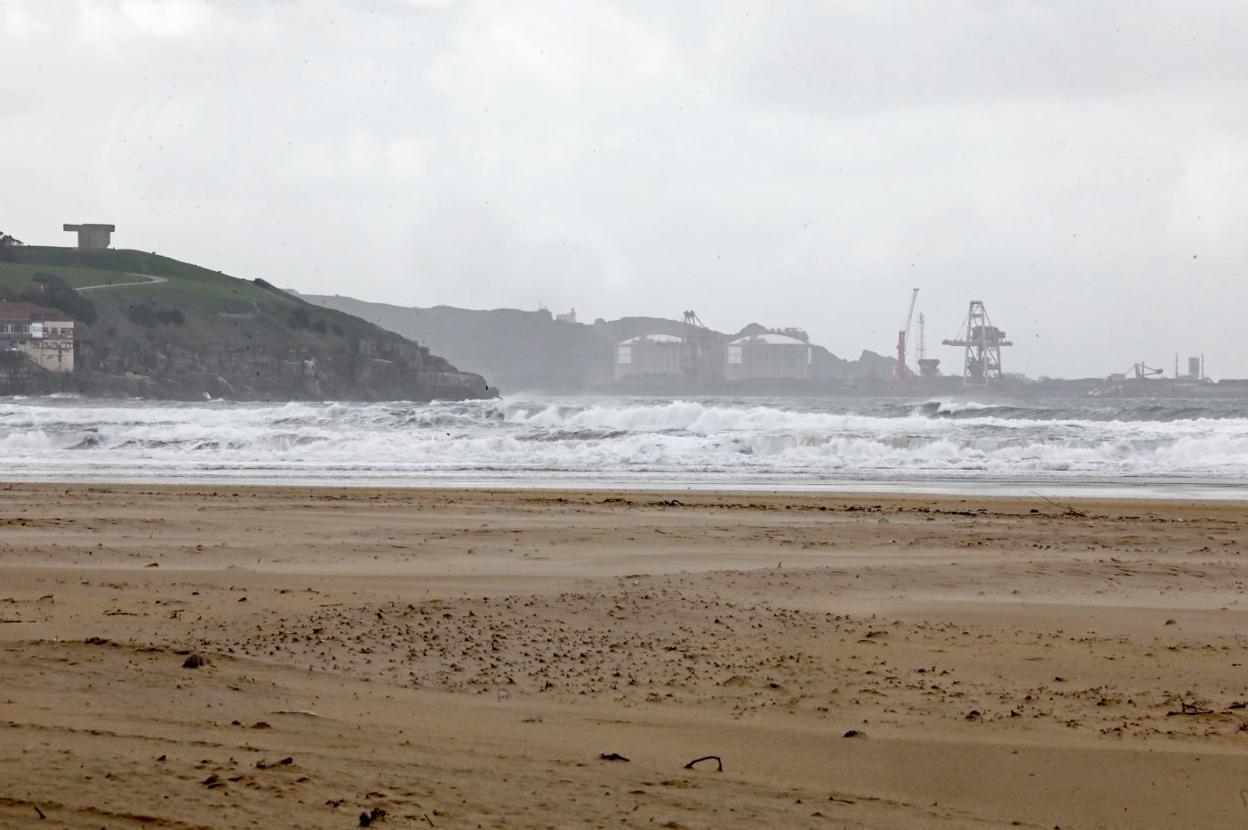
(92, 237)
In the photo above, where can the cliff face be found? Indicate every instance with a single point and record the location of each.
(530, 350)
(519, 350)
(197, 333)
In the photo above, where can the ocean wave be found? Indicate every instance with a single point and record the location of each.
(789, 441)
(1167, 412)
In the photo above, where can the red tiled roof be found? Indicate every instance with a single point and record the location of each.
(29, 311)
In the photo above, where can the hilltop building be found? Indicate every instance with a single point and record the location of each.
(93, 237)
(43, 334)
(649, 355)
(768, 356)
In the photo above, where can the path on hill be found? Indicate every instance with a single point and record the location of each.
(144, 279)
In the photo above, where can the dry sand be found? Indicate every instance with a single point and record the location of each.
(465, 658)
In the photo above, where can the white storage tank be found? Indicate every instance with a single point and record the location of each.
(649, 355)
(768, 356)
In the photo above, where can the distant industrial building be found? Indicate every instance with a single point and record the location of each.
(92, 236)
(768, 356)
(43, 334)
(650, 355)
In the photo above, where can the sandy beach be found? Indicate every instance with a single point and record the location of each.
(442, 658)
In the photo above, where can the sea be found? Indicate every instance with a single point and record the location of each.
(1175, 448)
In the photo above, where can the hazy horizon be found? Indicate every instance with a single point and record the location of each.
(1080, 167)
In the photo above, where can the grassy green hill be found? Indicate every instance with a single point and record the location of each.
(188, 286)
(200, 332)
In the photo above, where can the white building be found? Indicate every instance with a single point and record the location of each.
(650, 354)
(768, 356)
(44, 334)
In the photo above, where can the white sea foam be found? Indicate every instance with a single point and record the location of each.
(639, 440)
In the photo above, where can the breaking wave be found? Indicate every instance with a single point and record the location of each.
(718, 441)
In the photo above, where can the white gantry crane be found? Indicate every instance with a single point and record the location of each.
(982, 342)
(901, 370)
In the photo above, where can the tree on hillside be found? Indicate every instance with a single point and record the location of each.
(7, 244)
(51, 290)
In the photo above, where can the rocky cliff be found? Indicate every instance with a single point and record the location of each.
(519, 350)
(153, 326)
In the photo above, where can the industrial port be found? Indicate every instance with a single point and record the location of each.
(784, 359)
(680, 354)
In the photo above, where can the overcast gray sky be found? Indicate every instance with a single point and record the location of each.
(1082, 167)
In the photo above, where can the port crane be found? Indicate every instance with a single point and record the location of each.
(698, 352)
(901, 370)
(982, 342)
(1143, 370)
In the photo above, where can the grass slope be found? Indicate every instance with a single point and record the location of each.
(188, 285)
(202, 329)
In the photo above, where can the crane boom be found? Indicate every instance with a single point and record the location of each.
(914, 297)
(901, 370)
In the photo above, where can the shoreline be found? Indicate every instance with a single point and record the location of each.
(1044, 503)
(464, 658)
(982, 488)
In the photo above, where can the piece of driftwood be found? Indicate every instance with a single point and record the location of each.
(714, 758)
(1070, 511)
(1186, 708)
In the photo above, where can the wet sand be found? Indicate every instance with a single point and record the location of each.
(466, 658)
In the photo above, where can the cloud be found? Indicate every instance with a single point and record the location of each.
(110, 21)
(20, 21)
(804, 163)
